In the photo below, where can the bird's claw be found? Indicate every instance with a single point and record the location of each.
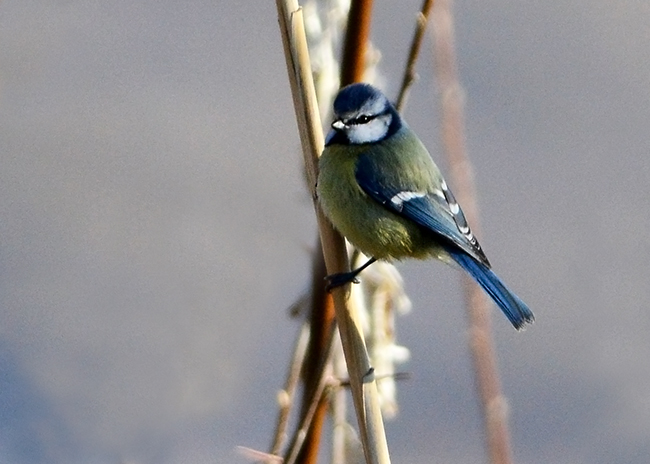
(339, 279)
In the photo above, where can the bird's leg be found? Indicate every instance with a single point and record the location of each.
(342, 278)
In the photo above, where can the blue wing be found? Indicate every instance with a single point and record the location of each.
(435, 210)
(439, 212)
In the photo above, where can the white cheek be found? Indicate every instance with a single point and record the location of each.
(372, 131)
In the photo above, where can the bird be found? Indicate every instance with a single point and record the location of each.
(380, 188)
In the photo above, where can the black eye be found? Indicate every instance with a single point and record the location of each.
(363, 119)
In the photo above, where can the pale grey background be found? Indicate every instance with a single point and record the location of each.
(154, 228)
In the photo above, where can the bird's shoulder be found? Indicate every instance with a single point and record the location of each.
(401, 161)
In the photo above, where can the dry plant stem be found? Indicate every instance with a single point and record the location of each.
(414, 52)
(356, 42)
(309, 449)
(322, 317)
(478, 306)
(298, 452)
(316, 370)
(364, 389)
(287, 394)
(339, 416)
(321, 322)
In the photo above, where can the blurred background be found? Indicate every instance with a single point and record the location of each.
(154, 229)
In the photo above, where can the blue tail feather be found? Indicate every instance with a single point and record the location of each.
(515, 310)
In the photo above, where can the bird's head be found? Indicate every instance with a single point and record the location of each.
(362, 114)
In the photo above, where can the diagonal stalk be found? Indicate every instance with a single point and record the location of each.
(363, 386)
(486, 374)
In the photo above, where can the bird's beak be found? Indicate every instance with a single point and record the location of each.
(337, 129)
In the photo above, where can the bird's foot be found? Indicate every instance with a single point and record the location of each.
(342, 278)
(339, 279)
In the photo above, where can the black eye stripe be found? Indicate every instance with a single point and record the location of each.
(364, 118)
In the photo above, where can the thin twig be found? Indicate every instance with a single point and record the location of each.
(304, 445)
(287, 394)
(321, 321)
(363, 386)
(409, 70)
(315, 402)
(478, 306)
(339, 411)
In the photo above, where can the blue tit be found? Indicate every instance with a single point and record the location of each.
(380, 188)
